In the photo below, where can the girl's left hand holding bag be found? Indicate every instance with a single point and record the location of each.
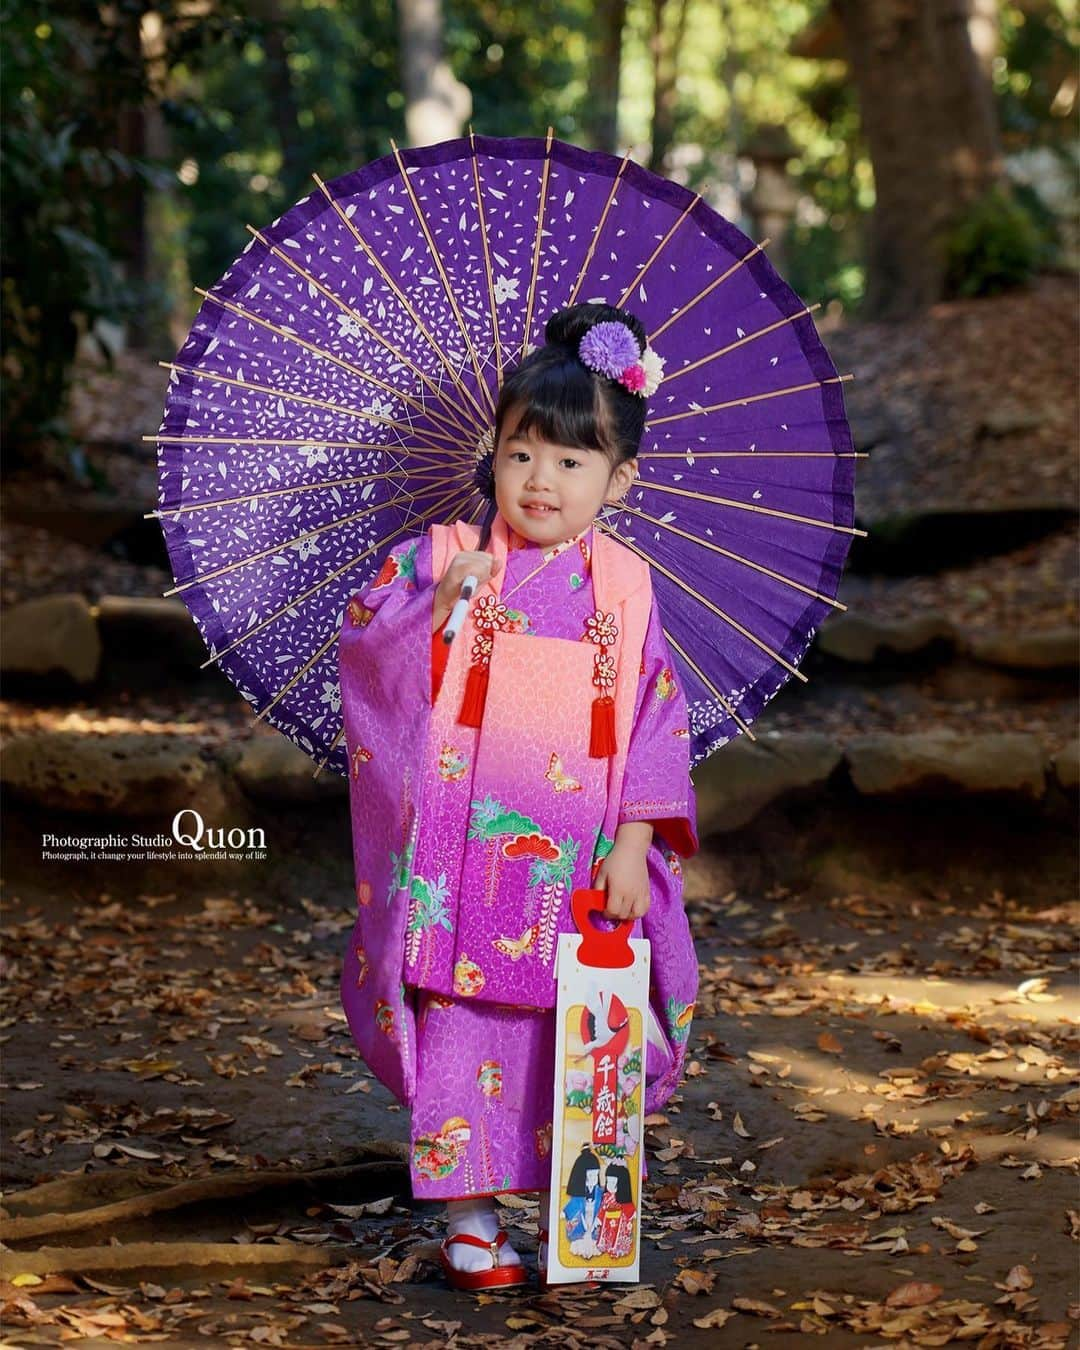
(624, 873)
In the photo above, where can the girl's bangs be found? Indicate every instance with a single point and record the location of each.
(558, 409)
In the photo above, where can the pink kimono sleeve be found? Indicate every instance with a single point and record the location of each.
(385, 636)
(656, 783)
(385, 684)
(405, 569)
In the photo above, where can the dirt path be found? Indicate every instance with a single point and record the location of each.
(875, 1142)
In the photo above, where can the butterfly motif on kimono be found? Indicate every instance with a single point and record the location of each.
(359, 614)
(558, 777)
(543, 1140)
(516, 948)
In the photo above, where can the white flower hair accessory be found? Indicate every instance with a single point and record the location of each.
(485, 445)
(653, 365)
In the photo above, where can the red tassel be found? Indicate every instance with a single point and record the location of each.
(602, 738)
(472, 705)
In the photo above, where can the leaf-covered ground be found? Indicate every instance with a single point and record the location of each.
(875, 1143)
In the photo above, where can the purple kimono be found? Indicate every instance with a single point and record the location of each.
(468, 842)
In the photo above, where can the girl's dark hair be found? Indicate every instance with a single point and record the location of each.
(565, 401)
(623, 1192)
(586, 1161)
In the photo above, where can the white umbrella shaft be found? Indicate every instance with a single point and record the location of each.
(461, 608)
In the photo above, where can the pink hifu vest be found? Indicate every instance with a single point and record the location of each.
(622, 586)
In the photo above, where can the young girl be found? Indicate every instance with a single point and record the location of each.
(545, 748)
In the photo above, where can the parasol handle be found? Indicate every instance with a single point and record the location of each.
(461, 608)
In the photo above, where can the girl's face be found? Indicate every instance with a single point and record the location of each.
(612, 1184)
(548, 493)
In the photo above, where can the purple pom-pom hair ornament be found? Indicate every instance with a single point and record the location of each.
(611, 349)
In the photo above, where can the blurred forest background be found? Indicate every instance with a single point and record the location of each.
(895, 154)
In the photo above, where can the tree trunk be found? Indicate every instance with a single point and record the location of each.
(437, 105)
(601, 120)
(985, 30)
(132, 241)
(928, 117)
(733, 130)
(667, 43)
(168, 319)
(279, 85)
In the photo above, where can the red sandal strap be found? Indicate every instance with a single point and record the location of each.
(474, 1241)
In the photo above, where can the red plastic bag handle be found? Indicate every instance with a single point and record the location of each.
(610, 950)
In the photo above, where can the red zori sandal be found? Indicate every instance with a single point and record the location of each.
(497, 1277)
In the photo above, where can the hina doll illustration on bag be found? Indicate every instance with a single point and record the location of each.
(545, 748)
(616, 1211)
(581, 1212)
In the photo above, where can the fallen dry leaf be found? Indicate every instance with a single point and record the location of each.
(913, 1294)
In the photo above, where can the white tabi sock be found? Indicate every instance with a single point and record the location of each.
(477, 1218)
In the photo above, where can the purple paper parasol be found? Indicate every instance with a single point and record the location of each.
(341, 377)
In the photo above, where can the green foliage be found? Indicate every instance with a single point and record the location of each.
(251, 143)
(53, 250)
(526, 65)
(1038, 44)
(821, 267)
(996, 245)
(67, 81)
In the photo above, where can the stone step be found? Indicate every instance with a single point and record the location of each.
(128, 775)
(142, 774)
(115, 525)
(62, 645)
(858, 639)
(744, 777)
(920, 543)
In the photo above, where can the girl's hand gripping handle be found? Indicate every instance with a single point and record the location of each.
(461, 608)
(468, 570)
(608, 948)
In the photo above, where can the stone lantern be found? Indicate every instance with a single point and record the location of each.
(772, 200)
